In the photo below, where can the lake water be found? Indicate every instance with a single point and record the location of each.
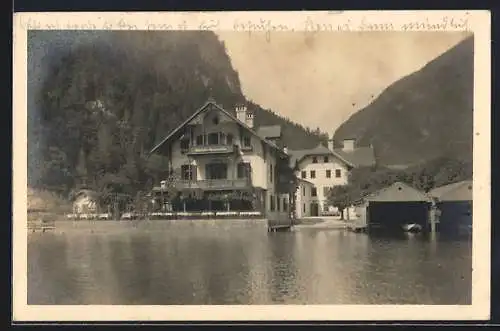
(161, 263)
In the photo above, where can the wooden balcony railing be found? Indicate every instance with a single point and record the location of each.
(210, 149)
(214, 184)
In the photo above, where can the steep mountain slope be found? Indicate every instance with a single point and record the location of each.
(99, 100)
(423, 116)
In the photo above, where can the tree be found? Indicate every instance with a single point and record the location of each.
(340, 197)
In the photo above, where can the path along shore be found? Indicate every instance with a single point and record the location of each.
(322, 222)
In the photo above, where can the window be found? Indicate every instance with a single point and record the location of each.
(188, 172)
(285, 204)
(199, 140)
(304, 191)
(304, 207)
(244, 170)
(278, 204)
(229, 139)
(328, 174)
(271, 202)
(315, 159)
(216, 171)
(271, 173)
(313, 174)
(213, 139)
(338, 173)
(184, 145)
(246, 141)
(303, 174)
(215, 120)
(325, 159)
(314, 192)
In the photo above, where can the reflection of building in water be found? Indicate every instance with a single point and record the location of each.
(284, 270)
(258, 253)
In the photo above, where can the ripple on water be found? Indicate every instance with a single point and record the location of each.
(224, 263)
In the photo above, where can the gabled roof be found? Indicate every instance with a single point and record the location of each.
(397, 192)
(269, 131)
(225, 112)
(359, 156)
(298, 155)
(90, 193)
(459, 191)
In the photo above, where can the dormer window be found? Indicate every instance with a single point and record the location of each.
(315, 159)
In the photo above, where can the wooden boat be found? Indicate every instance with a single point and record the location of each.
(412, 227)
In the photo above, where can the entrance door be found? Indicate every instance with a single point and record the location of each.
(314, 209)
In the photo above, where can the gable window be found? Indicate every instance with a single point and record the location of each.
(338, 173)
(303, 174)
(215, 120)
(213, 138)
(325, 159)
(184, 145)
(315, 159)
(313, 174)
(246, 141)
(328, 174)
(244, 170)
(314, 192)
(199, 140)
(188, 172)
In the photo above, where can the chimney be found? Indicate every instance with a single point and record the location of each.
(331, 144)
(249, 119)
(241, 113)
(349, 144)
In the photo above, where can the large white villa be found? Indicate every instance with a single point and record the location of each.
(226, 164)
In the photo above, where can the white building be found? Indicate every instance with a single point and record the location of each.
(324, 167)
(217, 153)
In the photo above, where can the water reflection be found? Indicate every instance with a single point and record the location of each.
(186, 263)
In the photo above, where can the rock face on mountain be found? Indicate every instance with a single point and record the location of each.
(423, 116)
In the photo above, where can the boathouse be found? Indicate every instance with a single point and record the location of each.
(455, 204)
(393, 207)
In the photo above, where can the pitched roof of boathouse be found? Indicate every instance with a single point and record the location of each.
(459, 191)
(397, 192)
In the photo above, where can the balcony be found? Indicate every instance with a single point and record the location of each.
(214, 184)
(210, 149)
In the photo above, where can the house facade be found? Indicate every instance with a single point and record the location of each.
(324, 167)
(224, 163)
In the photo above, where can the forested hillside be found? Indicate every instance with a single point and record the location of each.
(98, 101)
